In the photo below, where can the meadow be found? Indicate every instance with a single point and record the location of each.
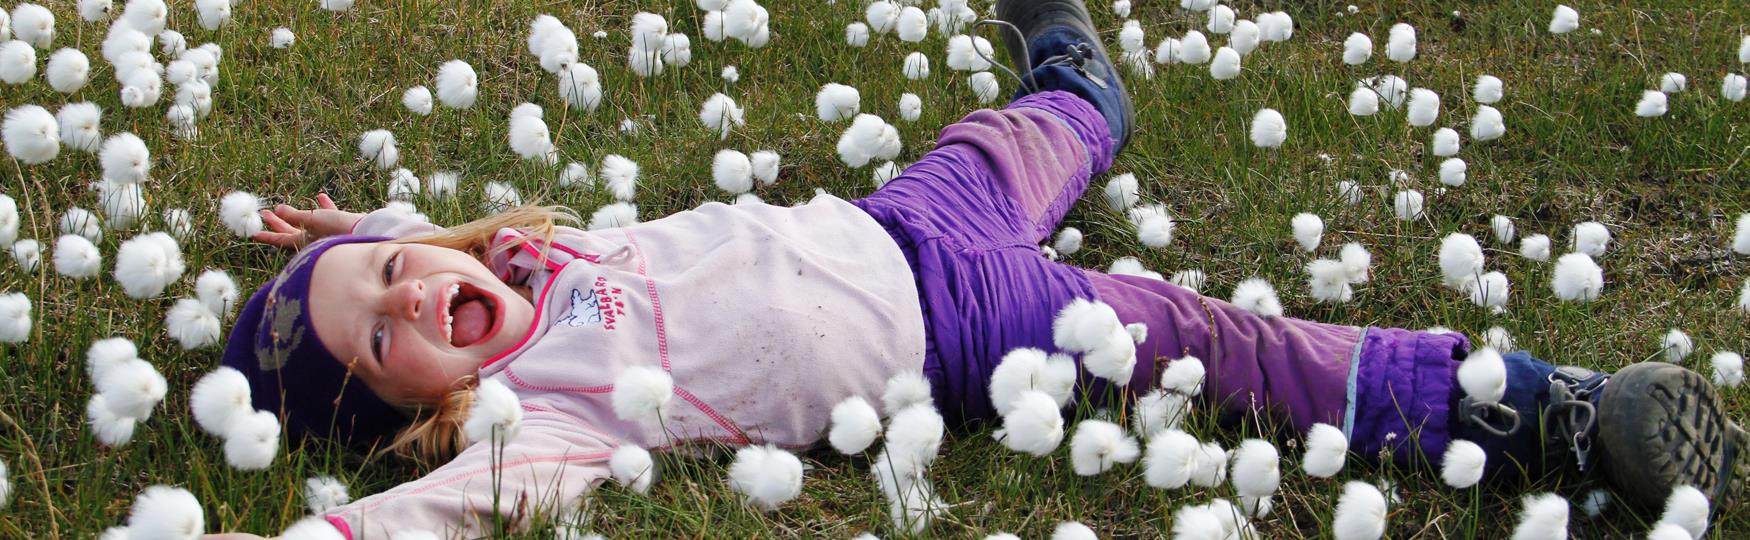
(286, 122)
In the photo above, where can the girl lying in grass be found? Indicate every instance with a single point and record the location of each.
(380, 329)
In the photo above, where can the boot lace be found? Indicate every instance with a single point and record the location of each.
(1570, 417)
(1076, 57)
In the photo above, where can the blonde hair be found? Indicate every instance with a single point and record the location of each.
(435, 435)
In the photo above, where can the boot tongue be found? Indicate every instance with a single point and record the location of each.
(472, 322)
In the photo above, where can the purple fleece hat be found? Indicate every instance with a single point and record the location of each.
(290, 371)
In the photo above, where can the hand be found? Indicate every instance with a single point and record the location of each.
(231, 536)
(291, 228)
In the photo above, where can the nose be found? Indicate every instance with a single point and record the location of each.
(405, 299)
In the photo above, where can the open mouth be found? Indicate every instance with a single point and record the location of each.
(470, 316)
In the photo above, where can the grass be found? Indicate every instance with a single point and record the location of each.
(286, 122)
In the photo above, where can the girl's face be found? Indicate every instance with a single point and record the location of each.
(411, 318)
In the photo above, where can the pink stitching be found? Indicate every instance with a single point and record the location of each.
(514, 379)
(655, 302)
(554, 458)
(721, 421)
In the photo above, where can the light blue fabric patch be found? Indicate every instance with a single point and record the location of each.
(1354, 371)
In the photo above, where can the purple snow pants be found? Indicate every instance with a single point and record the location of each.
(970, 216)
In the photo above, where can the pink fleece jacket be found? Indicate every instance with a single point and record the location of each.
(765, 316)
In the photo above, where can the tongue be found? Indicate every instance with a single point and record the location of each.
(472, 321)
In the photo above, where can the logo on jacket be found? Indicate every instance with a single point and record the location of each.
(600, 305)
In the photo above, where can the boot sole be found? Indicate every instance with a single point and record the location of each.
(1663, 426)
(1026, 14)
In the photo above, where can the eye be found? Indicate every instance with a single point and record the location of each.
(389, 269)
(377, 335)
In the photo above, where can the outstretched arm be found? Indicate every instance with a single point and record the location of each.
(290, 227)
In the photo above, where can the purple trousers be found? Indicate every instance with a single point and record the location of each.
(970, 216)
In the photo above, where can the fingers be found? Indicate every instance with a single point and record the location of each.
(323, 201)
(275, 223)
(278, 239)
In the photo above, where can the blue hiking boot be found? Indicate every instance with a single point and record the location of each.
(1648, 429)
(1055, 47)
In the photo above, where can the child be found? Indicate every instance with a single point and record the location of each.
(766, 317)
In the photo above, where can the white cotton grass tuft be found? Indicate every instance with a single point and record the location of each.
(1741, 235)
(500, 197)
(530, 139)
(1245, 37)
(1327, 449)
(1275, 26)
(984, 86)
(1733, 87)
(1257, 468)
(1153, 227)
(1073, 530)
(1591, 238)
(1167, 51)
(1027, 368)
(1400, 45)
(121, 204)
(108, 353)
(1483, 376)
(1158, 411)
(281, 38)
(1461, 259)
(1361, 512)
(1687, 507)
(1308, 229)
(131, 388)
(1363, 101)
(1564, 20)
(89, 11)
(642, 394)
(164, 512)
(1211, 465)
(496, 414)
(1489, 290)
(313, 527)
(17, 62)
(80, 126)
(1652, 104)
(1503, 228)
(82, 222)
(28, 254)
(67, 70)
(1099, 445)
(1462, 465)
(1121, 192)
(855, 425)
(614, 215)
(1328, 281)
(1221, 21)
(1184, 376)
(252, 440)
(732, 171)
(146, 264)
(1094, 330)
(766, 475)
(1676, 345)
(857, 34)
(620, 175)
(835, 102)
(1673, 82)
(1486, 124)
(1225, 65)
(884, 173)
(765, 164)
(1668, 531)
(721, 114)
(1257, 296)
(905, 389)
(1545, 518)
(324, 493)
(1535, 247)
(1488, 89)
(191, 324)
(1357, 48)
(580, 86)
(31, 134)
(1268, 129)
(632, 467)
(968, 53)
(869, 138)
(916, 66)
(76, 257)
(1171, 459)
(1424, 107)
(1728, 368)
(378, 147)
(1444, 143)
(1069, 241)
(109, 428)
(912, 24)
(15, 319)
(910, 107)
(1407, 205)
(1033, 423)
(219, 397)
(1129, 266)
(1194, 48)
(1577, 278)
(457, 84)
(5, 486)
(1593, 503)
